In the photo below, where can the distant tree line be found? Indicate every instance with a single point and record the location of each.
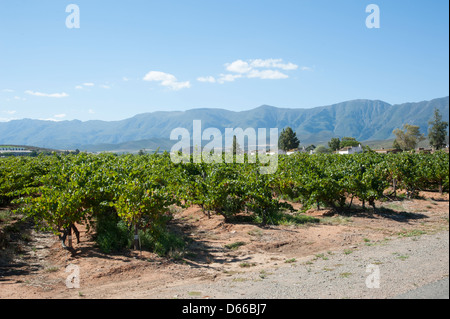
(406, 139)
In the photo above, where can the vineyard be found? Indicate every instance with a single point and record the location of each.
(129, 199)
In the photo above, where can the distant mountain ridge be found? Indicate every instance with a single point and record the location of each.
(362, 119)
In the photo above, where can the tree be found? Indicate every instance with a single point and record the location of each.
(334, 144)
(322, 150)
(236, 147)
(349, 142)
(288, 140)
(408, 138)
(437, 131)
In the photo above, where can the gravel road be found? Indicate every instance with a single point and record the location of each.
(435, 290)
(394, 268)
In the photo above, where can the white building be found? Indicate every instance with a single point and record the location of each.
(279, 152)
(351, 150)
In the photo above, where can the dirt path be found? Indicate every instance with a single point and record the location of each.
(402, 264)
(406, 241)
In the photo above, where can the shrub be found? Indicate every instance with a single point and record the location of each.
(113, 235)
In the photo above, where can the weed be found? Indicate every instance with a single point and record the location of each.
(5, 216)
(322, 256)
(412, 233)
(255, 232)
(263, 274)
(51, 269)
(240, 279)
(194, 293)
(400, 256)
(336, 220)
(235, 246)
(290, 261)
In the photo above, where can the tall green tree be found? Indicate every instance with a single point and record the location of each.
(236, 147)
(288, 140)
(322, 150)
(349, 142)
(334, 144)
(408, 138)
(437, 130)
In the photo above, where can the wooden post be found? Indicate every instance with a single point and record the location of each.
(264, 221)
(136, 237)
(394, 184)
(69, 237)
(351, 202)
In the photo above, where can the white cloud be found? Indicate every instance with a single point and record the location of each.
(273, 63)
(88, 85)
(267, 75)
(228, 78)
(125, 79)
(7, 91)
(55, 118)
(3, 119)
(167, 80)
(209, 79)
(50, 119)
(91, 111)
(268, 69)
(84, 85)
(53, 95)
(238, 66)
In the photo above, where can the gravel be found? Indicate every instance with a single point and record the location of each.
(398, 266)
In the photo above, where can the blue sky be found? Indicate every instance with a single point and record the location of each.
(137, 56)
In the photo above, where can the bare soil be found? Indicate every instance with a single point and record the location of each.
(36, 268)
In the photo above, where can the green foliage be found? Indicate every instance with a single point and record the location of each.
(334, 144)
(322, 150)
(113, 235)
(310, 148)
(236, 148)
(437, 131)
(408, 138)
(165, 243)
(288, 140)
(120, 193)
(349, 142)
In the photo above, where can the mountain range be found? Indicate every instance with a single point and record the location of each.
(366, 120)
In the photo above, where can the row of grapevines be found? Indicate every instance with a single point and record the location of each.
(331, 179)
(60, 191)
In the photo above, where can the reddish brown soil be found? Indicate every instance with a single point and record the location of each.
(37, 268)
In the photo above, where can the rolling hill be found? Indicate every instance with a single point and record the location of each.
(366, 120)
